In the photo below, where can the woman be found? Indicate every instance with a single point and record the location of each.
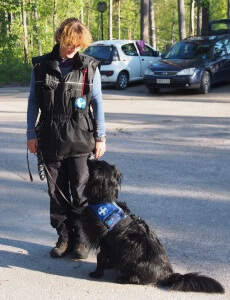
(64, 86)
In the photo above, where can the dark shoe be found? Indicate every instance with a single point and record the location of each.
(61, 249)
(80, 251)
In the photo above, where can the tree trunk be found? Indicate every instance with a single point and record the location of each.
(205, 19)
(119, 18)
(181, 18)
(5, 23)
(173, 30)
(152, 24)
(199, 19)
(191, 23)
(82, 15)
(55, 16)
(37, 31)
(228, 9)
(26, 51)
(110, 19)
(145, 20)
(88, 18)
(130, 33)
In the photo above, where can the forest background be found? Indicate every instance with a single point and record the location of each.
(27, 26)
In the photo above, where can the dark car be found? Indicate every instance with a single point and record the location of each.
(195, 62)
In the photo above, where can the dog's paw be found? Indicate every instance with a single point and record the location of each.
(95, 274)
(122, 280)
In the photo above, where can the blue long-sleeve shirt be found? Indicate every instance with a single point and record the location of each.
(97, 103)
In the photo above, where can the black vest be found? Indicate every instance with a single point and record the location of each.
(65, 130)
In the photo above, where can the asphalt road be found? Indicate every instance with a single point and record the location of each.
(174, 152)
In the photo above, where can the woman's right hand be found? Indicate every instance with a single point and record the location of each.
(32, 145)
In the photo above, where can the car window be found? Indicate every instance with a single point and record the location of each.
(129, 49)
(148, 52)
(194, 50)
(219, 48)
(200, 50)
(227, 45)
(173, 52)
(100, 52)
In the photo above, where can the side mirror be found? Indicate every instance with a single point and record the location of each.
(162, 55)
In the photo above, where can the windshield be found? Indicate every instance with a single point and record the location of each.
(100, 52)
(189, 50)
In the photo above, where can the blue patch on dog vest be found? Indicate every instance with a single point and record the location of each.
(109, 213)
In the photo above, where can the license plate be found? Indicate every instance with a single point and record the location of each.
(163, 81)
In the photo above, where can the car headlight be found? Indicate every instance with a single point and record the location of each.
(189, 71)
(148, 72)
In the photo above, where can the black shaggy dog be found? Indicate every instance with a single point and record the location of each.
(126, 242)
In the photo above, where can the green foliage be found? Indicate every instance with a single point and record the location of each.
(12, 56)
(218, 9)
(14, 72)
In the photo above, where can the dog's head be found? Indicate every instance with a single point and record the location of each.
(104, 182)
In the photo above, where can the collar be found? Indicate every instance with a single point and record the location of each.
(54, 57)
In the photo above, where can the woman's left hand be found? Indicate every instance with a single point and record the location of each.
(100, 148)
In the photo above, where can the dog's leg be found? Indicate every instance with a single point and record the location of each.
(102, 259)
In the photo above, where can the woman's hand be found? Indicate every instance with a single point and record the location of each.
(100, 148)
(32, 145)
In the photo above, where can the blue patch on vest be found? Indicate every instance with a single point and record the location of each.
(109, 213)
(80, 103)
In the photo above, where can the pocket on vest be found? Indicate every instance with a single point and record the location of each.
(75, 140)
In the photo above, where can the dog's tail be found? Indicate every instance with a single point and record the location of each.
(192, 282)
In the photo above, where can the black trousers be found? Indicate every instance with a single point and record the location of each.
(70, 175)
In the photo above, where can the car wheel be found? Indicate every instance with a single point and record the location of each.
(205, 83)
(122, 81)
(153, 90)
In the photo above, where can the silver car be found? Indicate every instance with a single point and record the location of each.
(122, 61)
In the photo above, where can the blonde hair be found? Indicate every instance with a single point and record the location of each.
(73, 33)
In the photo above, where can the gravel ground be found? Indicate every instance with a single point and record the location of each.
(174, 152)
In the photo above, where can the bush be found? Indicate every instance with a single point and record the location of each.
(14, 73)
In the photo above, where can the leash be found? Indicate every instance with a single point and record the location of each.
(60, 191)
(28, 165)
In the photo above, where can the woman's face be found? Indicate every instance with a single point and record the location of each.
(68, 51)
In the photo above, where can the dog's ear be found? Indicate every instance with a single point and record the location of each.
(117, 176)
(94, 189)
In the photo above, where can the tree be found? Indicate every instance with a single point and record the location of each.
(228, 9)
(191, 21)
(205, 18)
(199, 19)
(202, 16)
(36, 27)
(54, 15)
(110, 19)
(145, 20)
(118, 4)
(89, 13)
(26, 49)
(181, 18)
(152, 24)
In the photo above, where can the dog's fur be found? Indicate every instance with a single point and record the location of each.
(131, 247)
